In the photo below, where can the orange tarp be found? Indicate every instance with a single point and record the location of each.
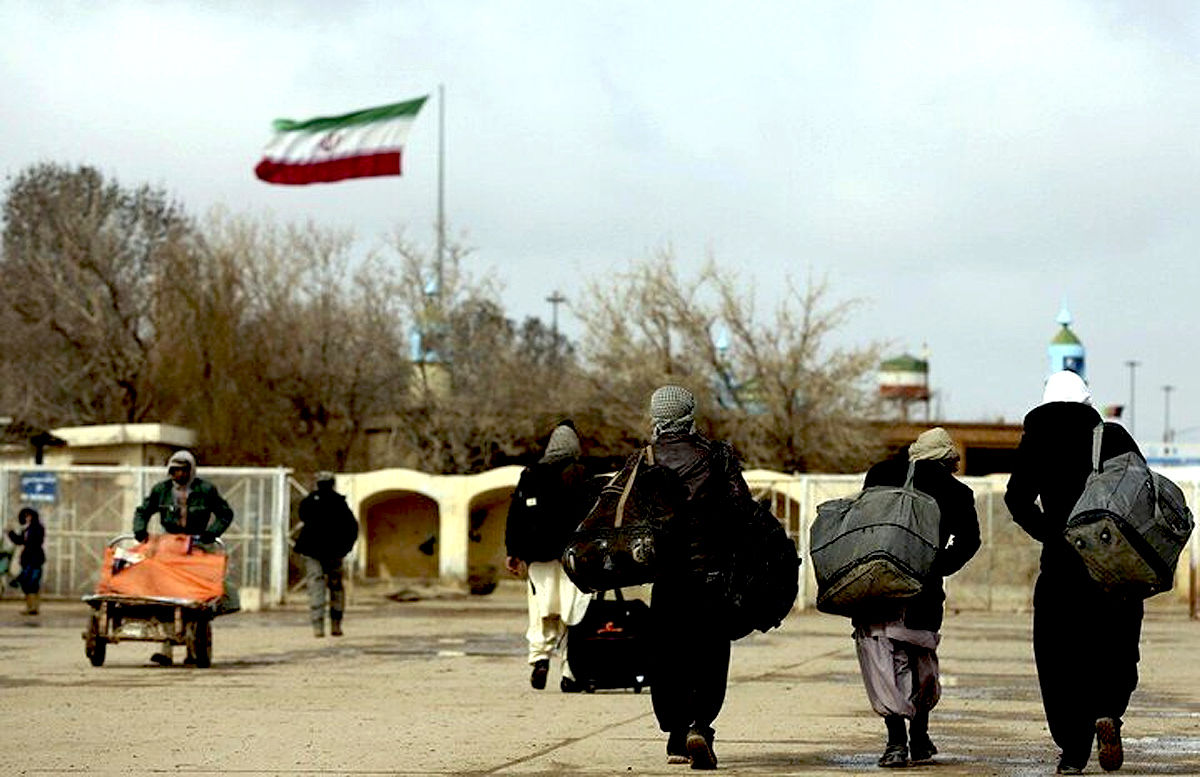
(163, 567)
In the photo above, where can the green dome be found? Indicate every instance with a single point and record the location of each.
(1065, 337)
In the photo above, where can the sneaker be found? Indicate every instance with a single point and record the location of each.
(677, 752)
(894, 756)
(569, 685)
(1108, 740)
(162, 659)
(699, 747)
(921, 748)
(1066, 768)
(537, 678)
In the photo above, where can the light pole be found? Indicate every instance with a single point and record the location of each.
(1167, 413)
(1132, 364)
(555, 299)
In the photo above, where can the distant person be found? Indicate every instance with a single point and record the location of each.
(690, 665)
(1085, 642)
(30, 535)
(185, 504)
(897, 642)
(550, 500)
(328, 532)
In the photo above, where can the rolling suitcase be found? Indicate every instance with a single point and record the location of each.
(609, 647)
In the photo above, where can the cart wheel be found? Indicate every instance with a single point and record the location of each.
(96, 646)
(198, 636)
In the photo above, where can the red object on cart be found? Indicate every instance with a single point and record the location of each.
(168, 566)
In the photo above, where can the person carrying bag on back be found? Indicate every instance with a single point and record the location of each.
(1085, 642)
(550, 500)
(896, 640)
(690, 666)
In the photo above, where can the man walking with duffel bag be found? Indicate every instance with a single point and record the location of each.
(1085, 642)
(896, 640)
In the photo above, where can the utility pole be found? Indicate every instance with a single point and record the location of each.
(555, 299)
(1132, 364)
(1167, 413)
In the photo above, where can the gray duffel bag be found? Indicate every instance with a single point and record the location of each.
(877, 546)
(1129, 525)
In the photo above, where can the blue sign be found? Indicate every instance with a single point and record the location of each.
(39, 486)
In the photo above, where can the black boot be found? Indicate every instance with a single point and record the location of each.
(896, 752)
(920, 745)
(537, 678)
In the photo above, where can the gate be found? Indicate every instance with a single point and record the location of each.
(82, 507)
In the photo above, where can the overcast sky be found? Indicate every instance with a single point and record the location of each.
(962, 167)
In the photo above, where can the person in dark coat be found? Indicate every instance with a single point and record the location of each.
(30, 536)
(1085, 643)
(550, 500)
(690, 662)
(328, 531)
(897, 643)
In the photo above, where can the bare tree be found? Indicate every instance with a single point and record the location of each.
(82, 257)
(778, 388)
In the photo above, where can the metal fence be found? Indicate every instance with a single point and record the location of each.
(82, 507)
(999, 577)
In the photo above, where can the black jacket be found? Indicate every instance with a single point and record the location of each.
(550, 500)
(30, 538)
(328, 528)
(1053, 462)
(956, 503)
(712, 478)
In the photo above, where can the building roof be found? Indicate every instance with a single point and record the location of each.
(904, 363)
(1065, 337)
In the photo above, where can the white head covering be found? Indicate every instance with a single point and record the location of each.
(1066, 386)
(932, 445)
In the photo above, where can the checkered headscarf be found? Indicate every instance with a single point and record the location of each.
(672, 409)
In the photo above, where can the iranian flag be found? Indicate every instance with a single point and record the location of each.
(330, 148)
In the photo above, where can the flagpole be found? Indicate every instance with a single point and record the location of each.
(441, 194)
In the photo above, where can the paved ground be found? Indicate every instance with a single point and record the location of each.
(440, 688)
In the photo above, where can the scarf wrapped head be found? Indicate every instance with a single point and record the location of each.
(672, 409)
(183, 458)
(932, 445)
(564, 444)
(1066, 386)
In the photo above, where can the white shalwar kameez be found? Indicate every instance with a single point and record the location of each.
(554, 604)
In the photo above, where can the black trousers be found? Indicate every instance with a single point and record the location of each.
(691, 656)
(1086, 648)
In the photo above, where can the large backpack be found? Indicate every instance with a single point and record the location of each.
(878, 546)
(1129, 524)
(619, 542)
(763, 575)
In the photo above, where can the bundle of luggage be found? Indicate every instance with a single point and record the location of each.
(620, 544)
(166, 566)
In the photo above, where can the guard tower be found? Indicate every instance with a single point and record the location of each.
(903, 382)
(1065, 351)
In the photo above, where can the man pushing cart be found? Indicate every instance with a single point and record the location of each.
(166, 588)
